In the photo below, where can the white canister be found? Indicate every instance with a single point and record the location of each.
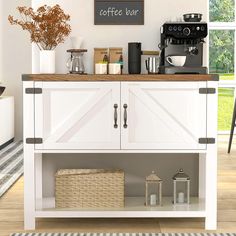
(47, 62)
(114, 69)
(100, 68)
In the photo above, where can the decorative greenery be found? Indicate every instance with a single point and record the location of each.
(47, 25)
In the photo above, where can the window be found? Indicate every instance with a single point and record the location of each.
(222, 56)
(222, 10)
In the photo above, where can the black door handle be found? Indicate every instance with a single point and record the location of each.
(115, 116)
(125, 116)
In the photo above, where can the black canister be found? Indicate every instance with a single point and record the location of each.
(134, 58)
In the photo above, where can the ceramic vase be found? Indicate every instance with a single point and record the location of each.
(47, 62)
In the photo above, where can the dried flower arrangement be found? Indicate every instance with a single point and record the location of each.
(47, 25)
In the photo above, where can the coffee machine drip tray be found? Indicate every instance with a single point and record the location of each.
(182, 70)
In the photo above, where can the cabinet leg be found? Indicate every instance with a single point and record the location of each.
(210, 223)
(38, 180)
(204, 194)
(29, 187)
(29, 223)
(211, 189)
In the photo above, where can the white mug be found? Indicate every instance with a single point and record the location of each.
(114, 69)
(76, 42)
(100, 68)
(176, 60)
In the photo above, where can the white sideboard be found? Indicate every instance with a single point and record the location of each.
(6, 120)
(121, 116)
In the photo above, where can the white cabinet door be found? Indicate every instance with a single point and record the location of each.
(78, 115)
(163, 115)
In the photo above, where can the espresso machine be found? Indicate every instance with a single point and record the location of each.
(183, 39)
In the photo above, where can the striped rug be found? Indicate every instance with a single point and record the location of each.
(124, 234)
(11, 165)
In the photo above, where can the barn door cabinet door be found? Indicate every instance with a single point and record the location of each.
(78, 115)
(163, 115)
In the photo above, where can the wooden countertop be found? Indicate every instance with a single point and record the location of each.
(142, 77)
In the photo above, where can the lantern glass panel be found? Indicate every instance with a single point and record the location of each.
(153, 188)
(182, 192)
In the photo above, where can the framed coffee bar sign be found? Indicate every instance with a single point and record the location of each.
(118, 12)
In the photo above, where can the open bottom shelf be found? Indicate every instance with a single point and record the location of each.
(134, 208)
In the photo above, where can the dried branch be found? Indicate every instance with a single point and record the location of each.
(47, 25)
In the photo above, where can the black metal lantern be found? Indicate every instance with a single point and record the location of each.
(181, 192)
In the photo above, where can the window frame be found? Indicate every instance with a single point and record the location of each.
(224, 26)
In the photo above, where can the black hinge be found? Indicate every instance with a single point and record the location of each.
(33, 91)
(34, 140)
(207, 140)
(207, 90)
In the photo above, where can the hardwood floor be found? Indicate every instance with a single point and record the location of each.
(11, 209)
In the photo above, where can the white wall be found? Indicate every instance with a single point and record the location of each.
(82, 22)
(15, 57)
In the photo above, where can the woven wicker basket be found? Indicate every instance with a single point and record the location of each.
(89, 188)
